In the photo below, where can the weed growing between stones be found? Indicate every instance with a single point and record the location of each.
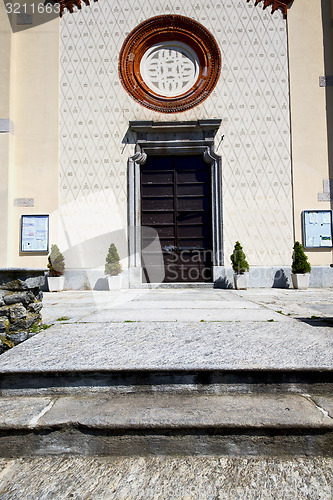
(39, 328)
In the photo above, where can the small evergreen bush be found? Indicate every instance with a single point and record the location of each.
(238, 259)
(112, 265)
(300, 264)
(56, 262)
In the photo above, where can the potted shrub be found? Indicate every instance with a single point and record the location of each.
(300, 268)
(240, 267)
(56, 265)
(113, 268)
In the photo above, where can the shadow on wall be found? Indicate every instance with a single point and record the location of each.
(327, 19)
(280, 280)
(91, 253)
(223, 283)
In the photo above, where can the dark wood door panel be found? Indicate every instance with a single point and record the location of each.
(176, 202)
(192, 189)
(157, 190)
(152, 177)
(152, 218)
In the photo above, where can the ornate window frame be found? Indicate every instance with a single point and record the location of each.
(166, 29)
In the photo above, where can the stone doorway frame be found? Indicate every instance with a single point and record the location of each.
(173, 138)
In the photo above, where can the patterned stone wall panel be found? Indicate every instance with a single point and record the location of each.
(251, 97)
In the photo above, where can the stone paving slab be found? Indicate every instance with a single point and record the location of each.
(297, 303)
(185, 314)
(222, 304)
(166, 478)
(78, 306)
(153, 411)
(173, 345)
(178, 329)
(326, 403)
(21, 412)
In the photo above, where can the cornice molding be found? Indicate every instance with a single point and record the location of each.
(70, 4)
(276, 4)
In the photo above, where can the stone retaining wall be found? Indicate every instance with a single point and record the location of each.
(20, 305)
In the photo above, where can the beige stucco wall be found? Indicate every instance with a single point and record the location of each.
(33, 167)
(36, 128)
(308, 115)
(6, 138)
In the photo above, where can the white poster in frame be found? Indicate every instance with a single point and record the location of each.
(34, 233)
(317, 229)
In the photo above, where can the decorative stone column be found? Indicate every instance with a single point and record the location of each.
(20, 304)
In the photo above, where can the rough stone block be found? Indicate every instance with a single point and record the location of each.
(16, 312)
(35, 307)
(19, 297)
(18, 337)
(4, 310)
(23, 284)
(18, 279)
(25, 323)
(4, 325)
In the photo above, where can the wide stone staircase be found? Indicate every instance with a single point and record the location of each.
(92, 386)
(167, 412)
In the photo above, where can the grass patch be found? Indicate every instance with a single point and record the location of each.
(39, 328)
(63, 318)
(270, 320)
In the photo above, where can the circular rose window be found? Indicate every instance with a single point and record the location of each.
(169, 63)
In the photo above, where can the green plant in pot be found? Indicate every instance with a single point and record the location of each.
(56, 266)
(300, 268)
(240, 267)
(113, 268)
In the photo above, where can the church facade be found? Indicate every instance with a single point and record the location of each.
(172, 129)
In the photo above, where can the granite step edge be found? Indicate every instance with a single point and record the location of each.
(167, 381)
(133, 411)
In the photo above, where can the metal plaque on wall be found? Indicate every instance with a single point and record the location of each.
(317, 228)
(34, 233)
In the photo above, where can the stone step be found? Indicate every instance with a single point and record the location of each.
(150, 381)
(148, 424)
(145, 286)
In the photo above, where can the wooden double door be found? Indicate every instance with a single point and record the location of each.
(176, 202)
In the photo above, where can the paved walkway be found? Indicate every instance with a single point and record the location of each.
(180, 329)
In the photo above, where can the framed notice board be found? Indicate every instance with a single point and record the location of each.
(34, 233)
(317, 229)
